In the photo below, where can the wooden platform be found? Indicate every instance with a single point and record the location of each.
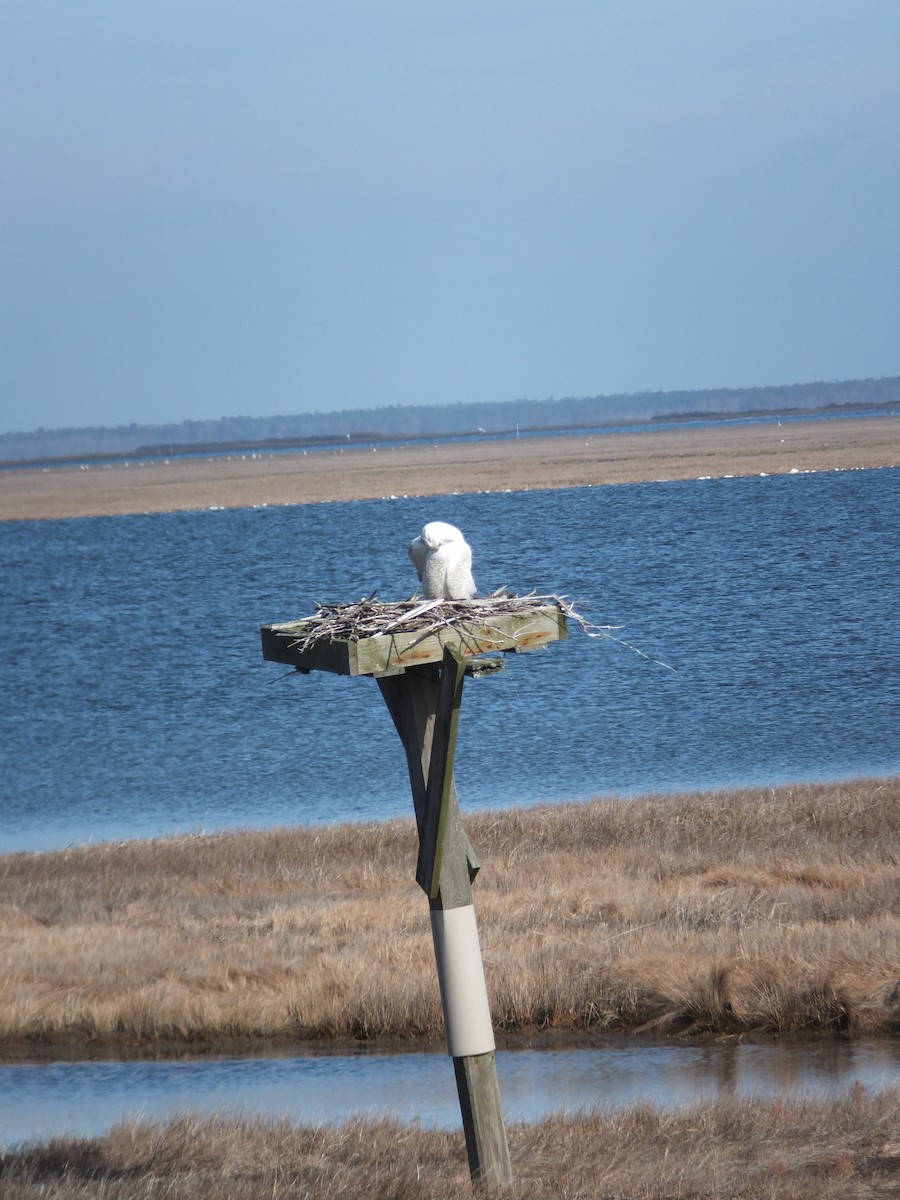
(413, 635)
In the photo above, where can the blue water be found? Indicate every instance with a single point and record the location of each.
(135, 701)
(87, 1098)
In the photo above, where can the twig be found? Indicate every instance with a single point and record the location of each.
(370, 617)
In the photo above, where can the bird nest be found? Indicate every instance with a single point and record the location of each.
(370, 617)
(374, 637)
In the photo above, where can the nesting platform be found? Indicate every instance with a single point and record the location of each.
(383, 639)
(419, 652)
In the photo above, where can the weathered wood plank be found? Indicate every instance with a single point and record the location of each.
(281, 643)
(407, 698)
(432, 835)
(393, 652)
(412, 701)
(482, 1117)
(424, 706)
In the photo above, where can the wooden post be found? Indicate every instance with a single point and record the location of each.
(424, 704)
(420, 662)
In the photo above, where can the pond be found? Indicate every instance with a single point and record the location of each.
(87, 1098)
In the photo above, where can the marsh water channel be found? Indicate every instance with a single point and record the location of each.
(38, 1101)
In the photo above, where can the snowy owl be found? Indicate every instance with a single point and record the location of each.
(443, 562)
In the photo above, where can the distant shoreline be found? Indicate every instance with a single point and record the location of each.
(423, 468)
(368, 438)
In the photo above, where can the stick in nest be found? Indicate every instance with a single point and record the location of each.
(370, 617)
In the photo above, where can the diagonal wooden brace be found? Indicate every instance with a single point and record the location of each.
(412, 700)
(433, 833)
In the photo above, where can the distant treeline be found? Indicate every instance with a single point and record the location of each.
(431, 420)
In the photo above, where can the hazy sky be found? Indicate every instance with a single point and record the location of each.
(217, 207)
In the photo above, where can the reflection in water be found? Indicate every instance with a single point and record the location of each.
(38, 1101)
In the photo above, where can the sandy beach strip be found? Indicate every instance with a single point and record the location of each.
(246, 479)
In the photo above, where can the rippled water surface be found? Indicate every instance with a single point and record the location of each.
(88, 1098)
(135, 701)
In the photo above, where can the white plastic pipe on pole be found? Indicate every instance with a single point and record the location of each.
(457, 951)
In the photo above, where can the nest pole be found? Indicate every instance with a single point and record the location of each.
(419, 652)
(424, 704)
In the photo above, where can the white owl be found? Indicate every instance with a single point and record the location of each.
(443, 561)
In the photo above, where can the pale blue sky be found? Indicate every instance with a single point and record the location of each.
(217, 207)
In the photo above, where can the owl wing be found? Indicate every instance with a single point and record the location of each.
(418, 552)
(458, 583)
(434, 573)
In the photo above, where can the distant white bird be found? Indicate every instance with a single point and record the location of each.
(443, 561)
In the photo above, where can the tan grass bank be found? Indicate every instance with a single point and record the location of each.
(756, 1150)
(768, 910)
(419, 469)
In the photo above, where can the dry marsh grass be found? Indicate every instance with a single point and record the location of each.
(765, 910)
(772, 1150)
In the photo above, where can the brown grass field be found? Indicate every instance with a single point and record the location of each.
(764, 911)
(829, 1150)
(424, 469)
